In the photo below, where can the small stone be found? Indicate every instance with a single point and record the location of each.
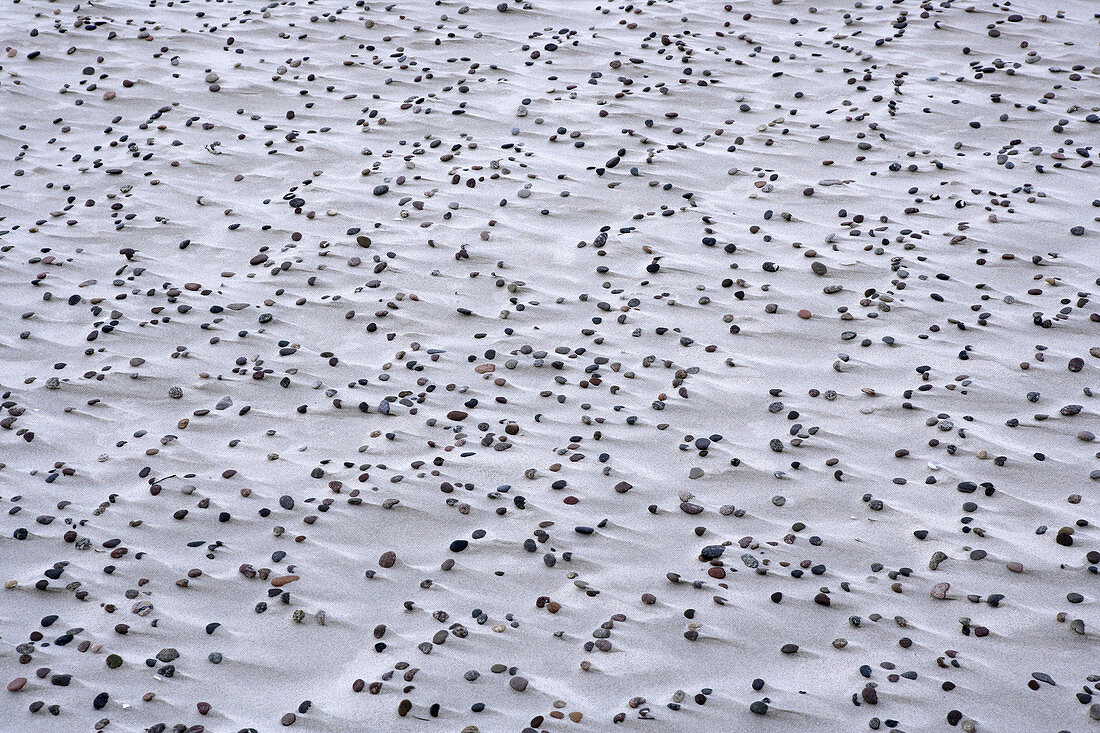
(1043, 677)
(711, 552)
(937, 558)
(519, 684)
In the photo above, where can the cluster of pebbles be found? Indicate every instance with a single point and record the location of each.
(549, 366)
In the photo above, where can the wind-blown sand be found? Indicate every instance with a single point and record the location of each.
(685, 366)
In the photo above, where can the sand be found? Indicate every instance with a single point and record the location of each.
(703, 366)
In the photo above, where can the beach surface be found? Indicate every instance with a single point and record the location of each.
(550, 366)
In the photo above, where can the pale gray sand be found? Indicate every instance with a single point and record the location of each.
(797, 314)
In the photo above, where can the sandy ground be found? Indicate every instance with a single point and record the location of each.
(668, 347)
